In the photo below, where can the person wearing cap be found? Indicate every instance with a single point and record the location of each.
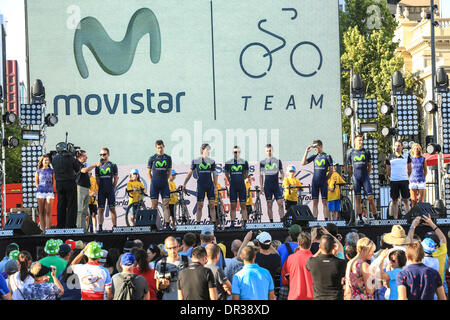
(291, 195)
(236, 171)
(42, 288)
(93, 195)
(10, 247)
(135, 189)
(173, 196)
(268, 257)
(52, 259)
(334, 192)
(429, 247)
(65, 252)
(95, 280)
(71, 243)
(322, 163)
(83, 185)
(207, 237)
(119, 280)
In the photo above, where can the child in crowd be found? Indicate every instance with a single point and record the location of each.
(92, 204)
(397, 260)
(135, 188)
(173, 196)
(291, 195)
(334, 193)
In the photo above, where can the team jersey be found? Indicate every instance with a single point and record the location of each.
(336, 194)
(106, 172)
(399, 166)
(93, 191)
(359, 160)
(322, 162)
(135, 196)
(270, 167)
(249, 201)
(173, 196)
(236, 169)
(160, 166)
(94, 279)
(291, 194)
(204, 167)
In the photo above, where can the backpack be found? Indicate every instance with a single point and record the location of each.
(128, 289)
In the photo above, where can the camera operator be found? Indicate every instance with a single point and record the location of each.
(65, 166)
(168, 268)
(83, 185)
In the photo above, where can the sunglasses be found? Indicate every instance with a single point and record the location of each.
(103, 154)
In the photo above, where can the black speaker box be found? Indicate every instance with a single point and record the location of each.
(420, 209)
(301, 214)
(22, 224)
(145, 218)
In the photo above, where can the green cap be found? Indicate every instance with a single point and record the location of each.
(52, 247)
(94, 250)
(14, 255)
(295, 228)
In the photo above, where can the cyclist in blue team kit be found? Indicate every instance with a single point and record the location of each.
(159, 169)
(322, 162)
(270, 172)
(359, 163)
(236, 171)
(107, 178)
(205, 168)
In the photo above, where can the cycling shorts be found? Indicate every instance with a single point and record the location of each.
(272, 191)
(317, 188)
(238, 191)
(159, 187)
(207, 190)
(362, 184)
(104, 195)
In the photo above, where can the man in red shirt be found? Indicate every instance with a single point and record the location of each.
(294, 273)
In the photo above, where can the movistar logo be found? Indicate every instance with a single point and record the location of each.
(204, 167)
(116, 57)
(105, 171)
(320, 163)
(236, 168)
(360, 158)
(159, 164)
(271, 166)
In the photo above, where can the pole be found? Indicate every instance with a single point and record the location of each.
(3, 164)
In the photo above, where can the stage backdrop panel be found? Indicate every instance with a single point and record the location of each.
(224, 72)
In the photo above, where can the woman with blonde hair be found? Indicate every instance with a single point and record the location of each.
(45, 181)
(419, 171)
(359, 283)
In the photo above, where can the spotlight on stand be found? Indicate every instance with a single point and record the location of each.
(358, 90)
(441, 80)
(348, 112)
(386, 132)
(38, 92)
(430, 107)
(433, 148)
(51, 119)
(9, 117)
(386, 109)
(398, 83)
(11, 142)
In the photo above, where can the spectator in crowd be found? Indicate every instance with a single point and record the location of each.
(127, 247)
(294, 273)
(252, 282)
(207, 237)
(21, 278)
(268, 257)
(429, 247)
(70, 280)
(359, 284)
(9, 248)
(350, 252)
(168, 268)
(197, 282)
(153, 255)
(338, 249)
(233, 265)
(351, 238)
(11, 268)
(187, 244)
(111, 261)
(223, 285)
(45, 184)
(120, 281)
(316, 235)
(142, 268)
(102, 260)
(138, 244)
(95, 280)
(397, 260)
(417, 281)
(65, 252)
(287, 248)
(42, 289)
(327, 271)
(5, 294)
(52, 259)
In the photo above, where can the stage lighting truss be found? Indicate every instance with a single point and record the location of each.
(30, 160)
(407, 115)
(445, 115)
(367, 109)
(30, 114)
(447, 194)
(371, 145)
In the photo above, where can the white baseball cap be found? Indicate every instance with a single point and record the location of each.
(264, 237)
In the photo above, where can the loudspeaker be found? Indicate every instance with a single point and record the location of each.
(147, 218)
(22, 224)
(300, 214)
(420, 209)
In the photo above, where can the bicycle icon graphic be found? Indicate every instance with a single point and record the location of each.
(269, 53)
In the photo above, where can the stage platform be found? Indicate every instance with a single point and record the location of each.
(117, 240)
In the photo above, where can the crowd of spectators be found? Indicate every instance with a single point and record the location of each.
(317, 264)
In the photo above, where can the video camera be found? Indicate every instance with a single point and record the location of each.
(65, 148)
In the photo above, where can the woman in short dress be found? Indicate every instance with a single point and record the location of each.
(417, 183)
(45, 180)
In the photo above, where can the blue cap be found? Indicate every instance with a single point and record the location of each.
(173, 172)
(134, 171)
(429, 246)
(291, 168)
(127, 259)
